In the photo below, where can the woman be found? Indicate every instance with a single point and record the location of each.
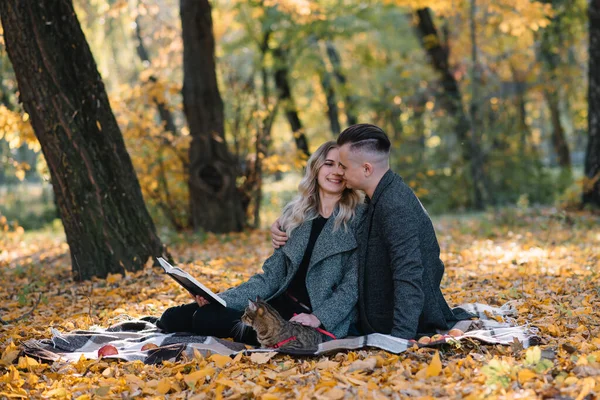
(312, 279)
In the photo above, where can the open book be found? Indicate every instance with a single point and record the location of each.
(189, 283)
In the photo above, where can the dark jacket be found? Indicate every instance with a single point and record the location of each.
(400, 268)
(331, 279)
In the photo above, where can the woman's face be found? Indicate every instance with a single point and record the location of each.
(329, 178)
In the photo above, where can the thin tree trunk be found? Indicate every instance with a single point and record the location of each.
(163, 110)
(477, 161)
(591, 191)
(98, 196)
(332, 108)
(349, 101)
(452, 100)
(559, 141)
(328, 89)
(215, 203)
(285, 96)
(550, 40)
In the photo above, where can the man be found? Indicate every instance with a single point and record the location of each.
(400, 268)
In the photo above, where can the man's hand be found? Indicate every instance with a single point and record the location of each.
(306, 319)
(278, 237)
(200, 300)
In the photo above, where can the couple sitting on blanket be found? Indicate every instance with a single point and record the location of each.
(349, 268)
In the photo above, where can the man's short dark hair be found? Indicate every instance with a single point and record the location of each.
(365, 137)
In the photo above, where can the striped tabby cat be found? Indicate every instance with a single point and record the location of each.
(274, 331)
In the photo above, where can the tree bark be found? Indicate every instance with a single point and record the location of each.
(550, 41)
(328, 89)
(285, 96)
(99, 198)
(591, 191)
(350, 102)
(559, 141)
(163, 110)
(438, 56)
(215, 204)
(477, 159)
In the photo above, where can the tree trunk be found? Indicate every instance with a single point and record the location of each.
(438, 57)
(285, 96)
(350, 102)
(163, 110)
(550, 41)
(215, 204)
(559, 141)
(328, 89)
(591, 191)
(477, 159)
(99, 198)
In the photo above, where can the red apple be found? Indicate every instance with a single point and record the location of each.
(455, 332)
(436, 337)
(149, 346)
(424, 340)
(107, 350)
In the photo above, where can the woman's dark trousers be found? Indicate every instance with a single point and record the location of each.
(209, 320)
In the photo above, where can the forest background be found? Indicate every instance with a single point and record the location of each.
(513, 72)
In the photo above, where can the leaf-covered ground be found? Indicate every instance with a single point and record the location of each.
(547, 261)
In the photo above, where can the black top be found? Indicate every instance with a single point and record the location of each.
(296, 299)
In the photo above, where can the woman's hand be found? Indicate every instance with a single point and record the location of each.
(278, 237)
(306, 319)
(200, 300)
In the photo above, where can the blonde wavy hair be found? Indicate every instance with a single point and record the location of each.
(305, 206)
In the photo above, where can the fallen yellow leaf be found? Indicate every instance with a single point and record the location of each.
(10, 354)
(163, 386)
(525, 375)
(435, 367)
(194, 377)
(220, 360)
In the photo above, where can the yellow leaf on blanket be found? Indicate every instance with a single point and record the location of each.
(435, 367)
(261, 358)
(10, 354)
(220, 360)
(525, 375)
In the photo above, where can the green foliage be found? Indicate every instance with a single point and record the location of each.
(31, 206)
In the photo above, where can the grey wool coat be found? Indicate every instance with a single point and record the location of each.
(400, 268)
(331, 279)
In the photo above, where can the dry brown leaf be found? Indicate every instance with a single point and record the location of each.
(262, 358)
(367, 364)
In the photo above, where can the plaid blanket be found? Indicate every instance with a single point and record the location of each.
(495, 325)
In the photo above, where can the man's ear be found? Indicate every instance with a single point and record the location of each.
(368, 169)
